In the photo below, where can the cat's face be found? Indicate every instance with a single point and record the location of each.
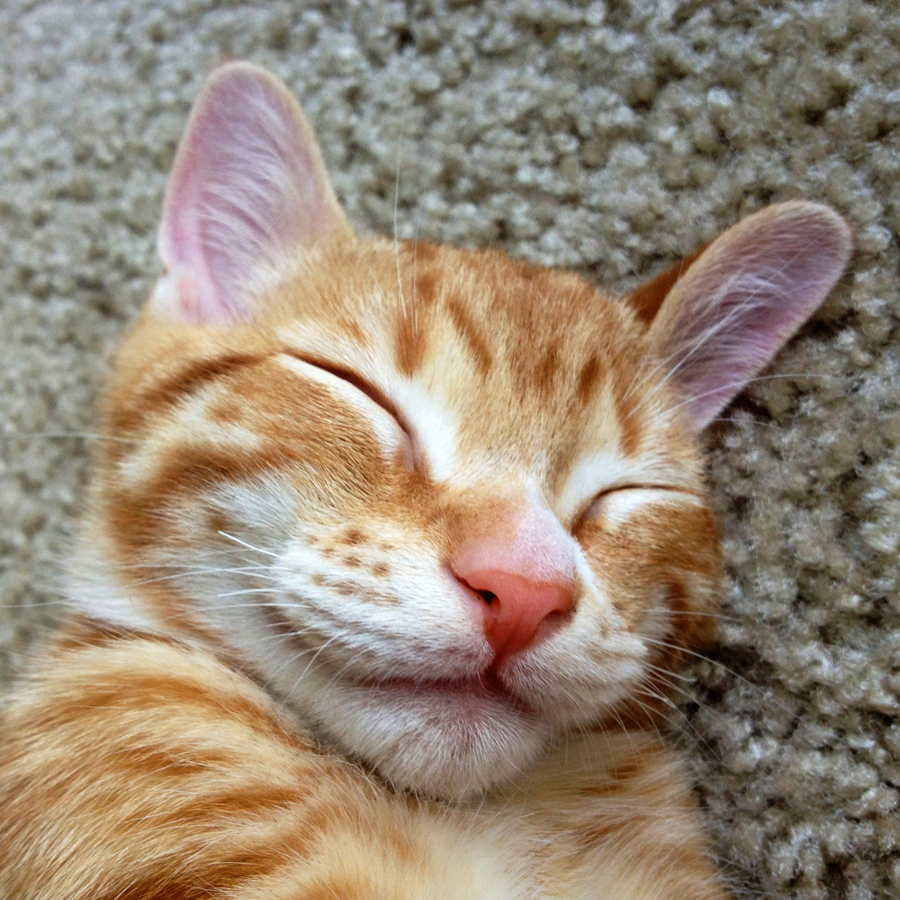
(325, 481)
(444, 504)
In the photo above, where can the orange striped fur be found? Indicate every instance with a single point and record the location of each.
(277, 685)
(136, 767)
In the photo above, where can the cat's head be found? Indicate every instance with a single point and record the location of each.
(445, 504)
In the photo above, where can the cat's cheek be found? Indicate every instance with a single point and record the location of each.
(578, 678)
(377, 613)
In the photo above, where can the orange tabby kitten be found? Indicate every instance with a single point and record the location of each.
(389, 557)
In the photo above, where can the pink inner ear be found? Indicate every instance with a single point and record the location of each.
(744, 298)
(248, 188)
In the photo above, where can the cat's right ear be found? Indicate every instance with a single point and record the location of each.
(716, 320)
(248, 190)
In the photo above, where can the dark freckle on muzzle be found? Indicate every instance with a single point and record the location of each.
(353, 536)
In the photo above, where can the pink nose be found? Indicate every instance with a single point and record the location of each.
(515, 608)
(523, 571)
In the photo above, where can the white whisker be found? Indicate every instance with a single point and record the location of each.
(231, 537)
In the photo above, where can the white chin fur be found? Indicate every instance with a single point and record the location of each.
(435, 741)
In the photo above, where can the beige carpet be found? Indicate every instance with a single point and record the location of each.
(609, 137)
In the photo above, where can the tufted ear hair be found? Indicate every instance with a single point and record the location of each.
(718, 319)
(248, 189)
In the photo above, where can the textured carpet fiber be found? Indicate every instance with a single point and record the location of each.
(608, 137)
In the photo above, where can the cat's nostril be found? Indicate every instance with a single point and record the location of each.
(487, 596)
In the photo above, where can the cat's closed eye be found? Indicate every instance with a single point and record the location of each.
(615, 504)
(361, 392)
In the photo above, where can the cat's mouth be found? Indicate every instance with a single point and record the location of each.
(448, 737)
(476, 691)
(444, 738)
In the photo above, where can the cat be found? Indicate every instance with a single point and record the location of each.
(390, 556)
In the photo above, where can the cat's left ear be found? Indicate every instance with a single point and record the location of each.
(248, 190)
(717, 320)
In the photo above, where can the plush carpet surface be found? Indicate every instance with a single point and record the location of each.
(612, 138)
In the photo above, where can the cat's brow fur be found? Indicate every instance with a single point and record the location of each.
(276, 683)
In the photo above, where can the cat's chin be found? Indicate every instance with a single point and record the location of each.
(450, 740)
